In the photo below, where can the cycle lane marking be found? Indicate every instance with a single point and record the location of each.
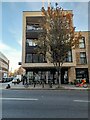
(81, 101)
(23, 99)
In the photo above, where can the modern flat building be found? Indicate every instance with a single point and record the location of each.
(4, 66)
(77, 64)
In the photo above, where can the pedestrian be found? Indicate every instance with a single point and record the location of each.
(34, 84)
(26, 79)
(42, 83)
(50, 84)
(23, 79)
(35, 79)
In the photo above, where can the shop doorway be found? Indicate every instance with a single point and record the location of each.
(82, 73)
(64, 75)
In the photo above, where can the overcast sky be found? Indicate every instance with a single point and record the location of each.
(11, 32)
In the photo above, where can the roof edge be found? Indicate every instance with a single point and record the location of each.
(41, 11)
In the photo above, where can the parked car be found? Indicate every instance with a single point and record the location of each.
(8, 79)
(16, 80)
(19, 77)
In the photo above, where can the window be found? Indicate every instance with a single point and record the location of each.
(33, 27)
(83, 58)
(30, 42)
(28, 58)
(35, 58)
(30, 75)
(30, 27)
(82, 73)
(69, 57)
(41, 58)
(82, 43)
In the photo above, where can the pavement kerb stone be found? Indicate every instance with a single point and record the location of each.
(47, 89)
(54, 87)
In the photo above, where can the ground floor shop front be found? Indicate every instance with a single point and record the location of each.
(68, 74)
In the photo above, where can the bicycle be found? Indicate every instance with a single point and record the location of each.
(82, 84)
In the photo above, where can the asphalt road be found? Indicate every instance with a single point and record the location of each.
(44, 104)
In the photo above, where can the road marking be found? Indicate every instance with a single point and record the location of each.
(81, 101)
(23, 99)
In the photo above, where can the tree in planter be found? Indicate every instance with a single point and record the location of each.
(58, 36)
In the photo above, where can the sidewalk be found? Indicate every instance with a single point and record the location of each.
(46, 87)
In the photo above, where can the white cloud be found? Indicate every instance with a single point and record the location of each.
(4, 47)
(17, 35)
(20, 42)
(12, 54)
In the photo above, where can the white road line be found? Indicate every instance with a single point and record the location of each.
(23, 99)
(81, 101)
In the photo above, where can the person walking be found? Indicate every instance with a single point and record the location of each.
(23, 79)
(34, 80)
(42, 83)
(26, 79)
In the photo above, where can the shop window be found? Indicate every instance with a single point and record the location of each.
(30, 75)
(82, 73)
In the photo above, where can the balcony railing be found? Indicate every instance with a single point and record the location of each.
(33, 33)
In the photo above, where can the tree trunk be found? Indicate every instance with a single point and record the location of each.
(59, 76)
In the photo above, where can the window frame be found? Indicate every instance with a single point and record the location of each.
(82, 43)
(83, 58)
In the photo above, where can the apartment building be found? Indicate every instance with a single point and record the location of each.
(81, 58)
(4, 66)
(77, 64)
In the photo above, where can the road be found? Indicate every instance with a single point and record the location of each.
(44, 104)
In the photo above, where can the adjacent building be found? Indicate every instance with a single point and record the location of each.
(77, 64)
(4, 66)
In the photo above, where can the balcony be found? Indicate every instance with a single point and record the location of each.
(30, 49)
(32, 34)
(33, 31)
(30, 45)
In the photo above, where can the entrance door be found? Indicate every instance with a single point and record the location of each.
(64, 75)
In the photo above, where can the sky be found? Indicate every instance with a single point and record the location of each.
(11, 25)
